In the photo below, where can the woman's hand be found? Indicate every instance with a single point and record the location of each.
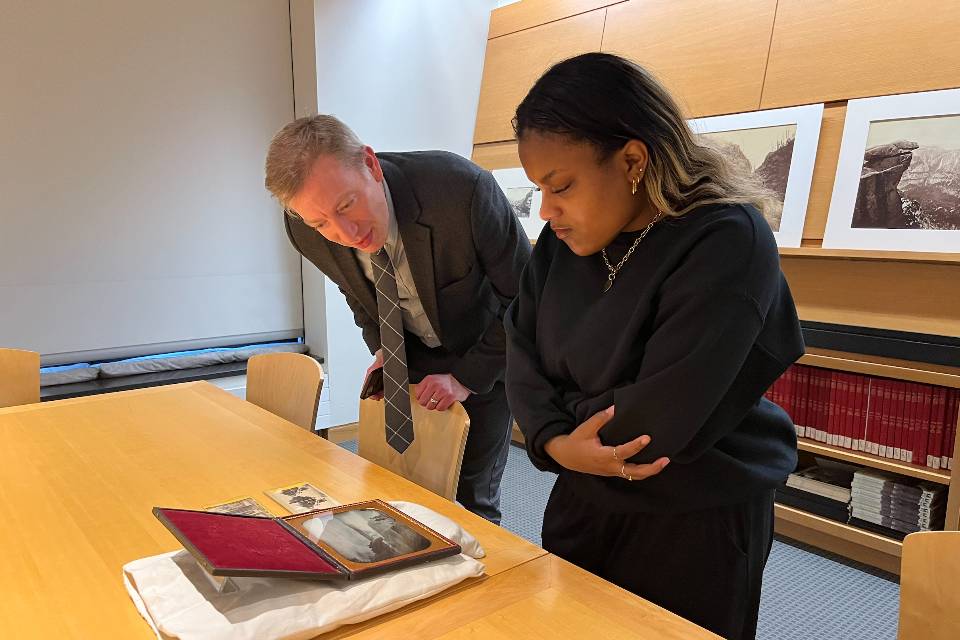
(582, 451)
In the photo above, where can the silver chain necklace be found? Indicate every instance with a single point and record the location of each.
(616, 269)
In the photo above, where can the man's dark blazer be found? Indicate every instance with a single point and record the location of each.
(466, 250)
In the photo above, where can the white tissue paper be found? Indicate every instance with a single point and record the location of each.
(173, 594)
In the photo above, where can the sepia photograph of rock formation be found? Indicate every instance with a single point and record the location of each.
(765, 153)
(911, 175)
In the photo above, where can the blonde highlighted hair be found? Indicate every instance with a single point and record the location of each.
(606, 100)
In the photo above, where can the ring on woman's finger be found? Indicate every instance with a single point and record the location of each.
(615, 456)
(623, 473)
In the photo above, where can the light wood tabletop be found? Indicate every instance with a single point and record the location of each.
(79, 477)
(544, 599)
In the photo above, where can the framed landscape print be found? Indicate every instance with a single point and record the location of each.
(779, 148)
(898, 178)
(524, 197)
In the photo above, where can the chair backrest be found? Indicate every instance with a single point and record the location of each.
(930, 586)
(19, 377)
(433, 459)
(286, 384)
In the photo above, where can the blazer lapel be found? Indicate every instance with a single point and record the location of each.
(417, 240)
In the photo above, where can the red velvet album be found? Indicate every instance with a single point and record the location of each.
(340, 543)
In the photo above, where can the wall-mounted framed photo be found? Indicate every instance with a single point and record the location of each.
(779, 148)
(524, 198)
(898, 178)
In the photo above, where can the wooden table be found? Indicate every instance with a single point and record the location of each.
(79, 477)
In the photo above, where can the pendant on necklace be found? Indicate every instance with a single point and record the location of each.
(607, 285)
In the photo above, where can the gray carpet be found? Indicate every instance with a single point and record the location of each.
(807, 594)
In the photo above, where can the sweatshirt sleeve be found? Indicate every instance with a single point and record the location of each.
(711, 310)
(536, 404)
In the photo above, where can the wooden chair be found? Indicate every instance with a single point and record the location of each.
(286, 384)
(433, 459)
(19, 377)
(930, 586)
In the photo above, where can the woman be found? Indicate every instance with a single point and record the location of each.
(651, 318)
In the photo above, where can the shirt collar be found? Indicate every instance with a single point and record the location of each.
(392, 230)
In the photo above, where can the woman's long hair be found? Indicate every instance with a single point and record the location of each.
(606, 100)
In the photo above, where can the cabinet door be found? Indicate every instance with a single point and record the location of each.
(515, 61)
(825, 50)
(711, 54)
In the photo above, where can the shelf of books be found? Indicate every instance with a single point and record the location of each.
(877, 441)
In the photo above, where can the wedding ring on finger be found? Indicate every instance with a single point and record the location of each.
(623, 473)
(433, 401)
(615, 456)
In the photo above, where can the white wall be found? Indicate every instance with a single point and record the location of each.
(132, 207)
(405, 75)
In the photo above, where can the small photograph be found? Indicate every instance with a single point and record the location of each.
(245, 506)
(301, 497)
(523, 197)
(765, 153)
(911, 175)
(365, 535)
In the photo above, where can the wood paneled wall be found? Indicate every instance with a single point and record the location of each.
(730, 56)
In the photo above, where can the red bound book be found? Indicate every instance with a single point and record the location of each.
(953, 407)
(845, 402)
(923, 425)
(894, 422)
(790, 403)
(792, 382)
(871, 422)
(858, 393)
(953, 430)
(920, 431)
(803, 400)
(886, 407)
(937, 417)
(830, 410)
(822, 382)
(899, 412)
(838, 388)
(913, 409)
(824, 413)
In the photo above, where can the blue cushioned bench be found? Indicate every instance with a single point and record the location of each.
(84, 379)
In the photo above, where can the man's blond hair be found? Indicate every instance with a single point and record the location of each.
(297, 146)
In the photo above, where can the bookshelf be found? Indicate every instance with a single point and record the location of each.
(845, 539)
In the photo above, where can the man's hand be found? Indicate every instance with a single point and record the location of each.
(377, 363)
(582, 451)
(439, 392)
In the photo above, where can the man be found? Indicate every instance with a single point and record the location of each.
(428, 234)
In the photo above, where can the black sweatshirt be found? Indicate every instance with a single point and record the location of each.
(697, 325)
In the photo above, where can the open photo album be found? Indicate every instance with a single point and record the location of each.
(339, 543)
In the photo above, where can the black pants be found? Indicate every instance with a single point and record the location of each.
(705, 566)
(488, 441)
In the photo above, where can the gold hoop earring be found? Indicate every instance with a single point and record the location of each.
(634, 184)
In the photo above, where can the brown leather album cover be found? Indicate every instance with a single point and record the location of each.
(340, 543)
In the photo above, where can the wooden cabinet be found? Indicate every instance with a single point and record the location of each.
(824, 50)
(710, 54)
(514, 62)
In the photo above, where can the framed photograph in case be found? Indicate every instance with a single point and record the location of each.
(340, 543)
